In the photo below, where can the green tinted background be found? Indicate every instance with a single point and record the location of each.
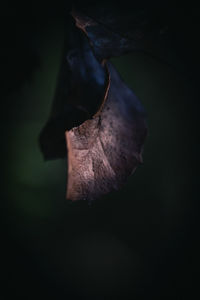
(132, 242)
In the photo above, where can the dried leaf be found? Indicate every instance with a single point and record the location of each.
(104, 151)
(96, 120)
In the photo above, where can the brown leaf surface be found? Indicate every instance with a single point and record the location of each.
(104, 151)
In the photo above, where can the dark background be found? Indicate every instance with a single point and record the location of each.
(138, 243)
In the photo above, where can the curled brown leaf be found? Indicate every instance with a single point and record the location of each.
(104, 151)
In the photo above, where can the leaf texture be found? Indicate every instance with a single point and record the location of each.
(96, 121)
(104, 151)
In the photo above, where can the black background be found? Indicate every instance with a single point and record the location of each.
(138, 243)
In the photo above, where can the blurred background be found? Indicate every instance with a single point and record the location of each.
(138, 243)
